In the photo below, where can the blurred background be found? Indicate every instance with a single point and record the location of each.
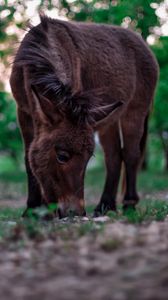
(150, 19)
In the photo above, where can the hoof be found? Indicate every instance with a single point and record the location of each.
(129, 206)
(97, 214)
(102, 209)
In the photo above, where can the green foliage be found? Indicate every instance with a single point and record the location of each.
(161, 102)
(138, 14)
(159, 122)
(10, 140)
(8, 20)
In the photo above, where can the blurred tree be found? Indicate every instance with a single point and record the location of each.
(10, 141)
(159, 122)
(12, 17)
(138, 14)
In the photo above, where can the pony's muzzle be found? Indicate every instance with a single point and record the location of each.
(71, 208)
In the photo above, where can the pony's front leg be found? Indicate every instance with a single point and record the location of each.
(34, 195)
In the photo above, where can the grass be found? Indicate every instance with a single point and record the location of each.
(14, 227)
(147, 211)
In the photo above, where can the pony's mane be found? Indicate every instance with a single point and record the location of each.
(35, 54)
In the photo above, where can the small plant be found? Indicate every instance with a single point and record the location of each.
(111, 245)
(89, 227)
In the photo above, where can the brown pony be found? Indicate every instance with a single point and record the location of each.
(70, 80)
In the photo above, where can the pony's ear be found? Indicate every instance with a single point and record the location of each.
(103, 107)
(96, 105)
(43, 110)
(98, 114)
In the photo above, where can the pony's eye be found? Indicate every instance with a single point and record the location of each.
(62, 157)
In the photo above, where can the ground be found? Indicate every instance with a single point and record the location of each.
(114, 257)
(117, 257)
(122, 262)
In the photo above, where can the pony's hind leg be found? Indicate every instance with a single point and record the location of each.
(134, 145)
(131, 197)
(112, 150)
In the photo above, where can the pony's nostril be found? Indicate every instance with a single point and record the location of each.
(73, 212)
(69, 213)
(70, 210)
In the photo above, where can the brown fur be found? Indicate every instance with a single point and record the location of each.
(69, 80)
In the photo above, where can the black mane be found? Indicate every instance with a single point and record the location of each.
(35, 54)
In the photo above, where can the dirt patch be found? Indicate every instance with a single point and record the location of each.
(118, 262)
(110, 260)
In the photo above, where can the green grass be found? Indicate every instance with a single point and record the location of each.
(147, 211)
(13, 214)
(13, 226)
